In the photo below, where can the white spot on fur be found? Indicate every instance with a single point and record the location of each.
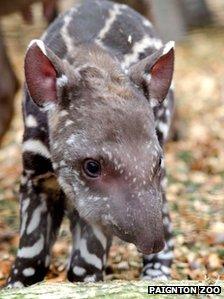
(164, 128)
(69, 122)
(146, 23)
(17, 284)
(79, 271)
(170, 243)
(147, 78)
(154, 272)
(90, 278)
(63, 113)
(55, 165)
(31, 121)
(130, 39)
(108, 153)
(139, 47)
(23, 180)
(165, 269)
(82, 182)
(62, 163)
(166, 221)
(154, 102)
(32, 251)
(157, 265)
(15, 271)
(28, 271)
(165, 255)
(165, 208)
(72, 140)
(36, 147)
(62, 81)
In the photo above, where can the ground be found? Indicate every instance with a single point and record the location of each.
(195, 165)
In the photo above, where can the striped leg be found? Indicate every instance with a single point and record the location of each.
(41, 202)
(41, 214)
(158, 266)
(89, 252)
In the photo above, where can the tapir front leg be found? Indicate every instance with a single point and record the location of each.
(89, 252)
(41, 214)
(41, 202)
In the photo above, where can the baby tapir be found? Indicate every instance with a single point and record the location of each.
(97, 111)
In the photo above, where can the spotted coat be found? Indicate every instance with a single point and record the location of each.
(126, 36)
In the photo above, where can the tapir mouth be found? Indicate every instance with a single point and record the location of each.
(153, 247)
(144, 245)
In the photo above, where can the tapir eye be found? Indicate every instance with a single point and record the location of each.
(92, 168)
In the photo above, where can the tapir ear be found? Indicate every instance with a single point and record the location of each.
(42, 68)
(153, 74)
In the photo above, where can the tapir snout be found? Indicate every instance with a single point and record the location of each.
(138, 220)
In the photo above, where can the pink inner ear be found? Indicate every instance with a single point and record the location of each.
(40, 76)
(161, 76)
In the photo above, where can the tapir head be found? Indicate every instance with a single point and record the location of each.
(103, 143)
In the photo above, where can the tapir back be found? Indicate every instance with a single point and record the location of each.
(119, 29)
